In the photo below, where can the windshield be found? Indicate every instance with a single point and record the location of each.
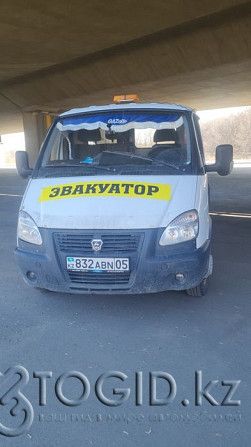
(118, 142)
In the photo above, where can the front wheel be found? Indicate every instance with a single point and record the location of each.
(199, 290)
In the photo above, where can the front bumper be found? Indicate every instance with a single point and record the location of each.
(153, 268)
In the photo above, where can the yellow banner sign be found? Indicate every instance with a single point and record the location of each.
(109, 189)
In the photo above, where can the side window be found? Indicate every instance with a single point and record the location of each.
(199, 138)
(52, 152)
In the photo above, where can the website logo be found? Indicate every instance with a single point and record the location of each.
(11, 395)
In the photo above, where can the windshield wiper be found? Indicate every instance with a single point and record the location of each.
(158, 162)
(104, 168)
(86, 165)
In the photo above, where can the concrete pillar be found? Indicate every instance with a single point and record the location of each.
(35, 127)
(2, 160)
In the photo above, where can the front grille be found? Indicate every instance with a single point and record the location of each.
(116, 243)
(81, 243)
(104, 278)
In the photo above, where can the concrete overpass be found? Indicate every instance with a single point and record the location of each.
(58, 55)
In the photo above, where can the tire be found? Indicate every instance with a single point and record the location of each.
(199, 290)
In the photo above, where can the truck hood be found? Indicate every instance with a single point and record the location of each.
(108, 202)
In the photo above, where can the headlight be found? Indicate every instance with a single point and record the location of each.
(27, 229)
(183, 228)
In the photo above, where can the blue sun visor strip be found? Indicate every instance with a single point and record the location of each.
(120, 122)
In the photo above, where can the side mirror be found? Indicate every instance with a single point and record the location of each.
(223, 160)
(22, 164)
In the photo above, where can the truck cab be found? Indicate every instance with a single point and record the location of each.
(118, 202)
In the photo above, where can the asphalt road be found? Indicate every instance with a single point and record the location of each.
(168, 332)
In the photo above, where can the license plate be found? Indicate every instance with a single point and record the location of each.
(98, 264)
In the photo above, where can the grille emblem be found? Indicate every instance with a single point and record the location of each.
(97, 244)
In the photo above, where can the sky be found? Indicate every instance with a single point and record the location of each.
(219, 113)
(13, 141)
(10, 143)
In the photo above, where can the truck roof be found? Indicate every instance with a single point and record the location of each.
(132, 105)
